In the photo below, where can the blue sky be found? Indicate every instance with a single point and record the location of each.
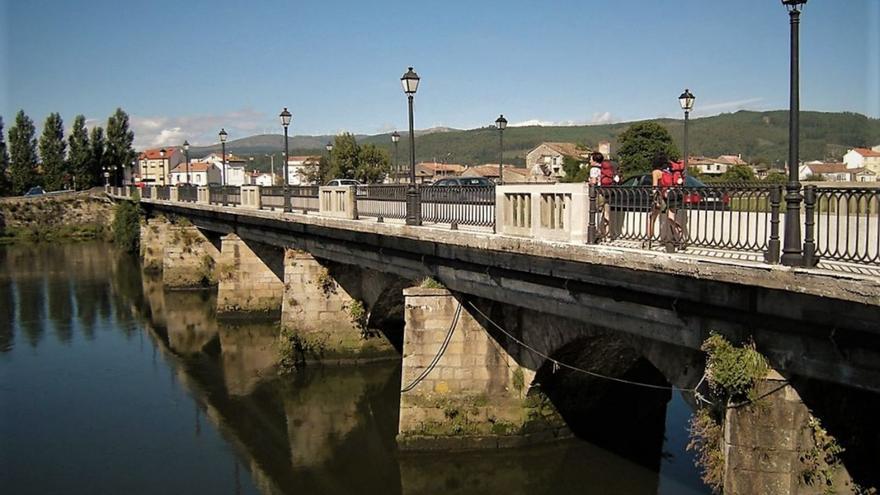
(184, 69)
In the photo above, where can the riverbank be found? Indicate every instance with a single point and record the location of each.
(74, 216)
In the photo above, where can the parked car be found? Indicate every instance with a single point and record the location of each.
(344, 182)
(689, 196)
(463, 181)
(35, 191)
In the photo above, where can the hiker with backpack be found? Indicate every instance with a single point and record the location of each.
(667, 178)
(604, 174)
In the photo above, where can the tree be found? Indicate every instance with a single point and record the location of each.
(638, 145)
(317, 172)
(23, 154)
(344, 158)
(119, 140)
(373, 164)
(575, 170)
(97, 145)
(80, 154)
(776, 177)
(738, 173)
(52, 150)
(4, 163)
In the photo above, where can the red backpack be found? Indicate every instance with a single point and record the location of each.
(667, 179)
(606, 176)
(678, 172)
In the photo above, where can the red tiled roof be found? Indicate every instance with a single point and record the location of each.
(441, 167)
(829, 168)
(567, 149)
(867, 152)
(193, 167)
(156, 154)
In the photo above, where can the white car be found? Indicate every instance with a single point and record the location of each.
(344, 182)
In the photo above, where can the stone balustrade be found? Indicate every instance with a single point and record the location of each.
(250, 197)
(338, 201)
(202, 195)
(555, 212)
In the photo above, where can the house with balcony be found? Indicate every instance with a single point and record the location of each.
(154, 166)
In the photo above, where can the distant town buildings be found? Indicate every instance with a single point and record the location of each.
(263, 178)
(715, 166)
(868, 158)
(835, 172)
(155, 165)
(511, 174)
(297, 169)
(547, 158)
(200, 174)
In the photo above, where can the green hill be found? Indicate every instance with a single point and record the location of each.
(758, 136)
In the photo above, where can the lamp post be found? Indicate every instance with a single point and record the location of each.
(285, 122)
(223, 136)
(106, 175)
(501, 124)
(410, 82)
(186, 156)
(686, 100)
(165, 175)
(395, 138)
(792, 253)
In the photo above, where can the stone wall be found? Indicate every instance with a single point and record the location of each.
(475, 395)
(763, 445)
(82, 215)
(188, 259)
(246, 284)
(328, 322)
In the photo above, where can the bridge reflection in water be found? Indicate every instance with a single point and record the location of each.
(332, 429)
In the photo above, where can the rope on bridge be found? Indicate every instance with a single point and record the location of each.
(439, 354)
(557, 364)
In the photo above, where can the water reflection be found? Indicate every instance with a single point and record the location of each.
(151, 382)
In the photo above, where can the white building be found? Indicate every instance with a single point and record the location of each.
(715, 166)
(235, 174)
(297, 168)
(200, 174)
(547, 158)
(263, 179)
(863, 158)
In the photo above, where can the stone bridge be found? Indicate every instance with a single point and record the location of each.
(485, 357)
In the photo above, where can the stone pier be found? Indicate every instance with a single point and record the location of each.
(764, 444)
(189, 258)
(247, 284)
(475, 395)
(328, 322)
(153, 239)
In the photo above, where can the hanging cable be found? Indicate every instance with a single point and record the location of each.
(557, 364)
(439, 354)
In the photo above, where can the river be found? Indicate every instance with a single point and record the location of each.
(109, 384)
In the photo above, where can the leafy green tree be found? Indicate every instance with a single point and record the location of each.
(4, 163)
(373, 164)
(638, 145)
(119, 140)
(23, 154)
(52, 151)
(317, 172)
(776, 177)
(738, 173)
(367, 163)
(574, 171)
(97, 162)
(80, 154)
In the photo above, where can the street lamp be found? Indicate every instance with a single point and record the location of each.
(410, 83)
(792, 254)
(186, 153)
(285, 122)
(501, 124)
(106, 175)
(328, 147)
(165, 175)
(686, 100)
(223, 136)
(395, 138)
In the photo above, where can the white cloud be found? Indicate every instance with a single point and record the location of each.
(597, 119)
(199, 130)
(602, 118)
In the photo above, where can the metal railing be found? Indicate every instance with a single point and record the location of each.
(846, 223)
(188, 193)
(304, 198)
(272, 197)
(163, 193)
(147, 192)
(458, 205)
(216, 195)
(381, 201)
(232, 195)
(735, 217)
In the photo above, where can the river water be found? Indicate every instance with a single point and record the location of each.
(108, 384)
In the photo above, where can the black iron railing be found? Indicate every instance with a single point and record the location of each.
(216, 195)
(147, 192)
(272, 197)
(232, 195)
(458, 205)
(188, 193)
(381, 201)
(736, 217)
(163, 193)
(846, 223)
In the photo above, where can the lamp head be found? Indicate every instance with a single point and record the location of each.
(223, 135)
(285, 117)
(395, 137)
(410, 82)
(501, 123)
(686, 100)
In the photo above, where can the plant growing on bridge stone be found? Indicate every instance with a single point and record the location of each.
(325, 282)
(430, 283)
(358, 314)
(732, 373)
(822, 460)
(126, 226)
